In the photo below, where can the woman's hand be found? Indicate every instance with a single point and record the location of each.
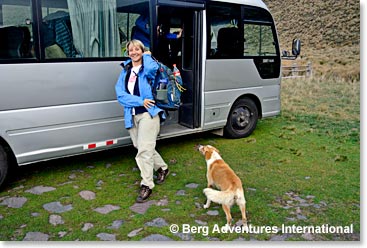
(148, 103)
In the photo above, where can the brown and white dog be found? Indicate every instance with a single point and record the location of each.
(221, 176)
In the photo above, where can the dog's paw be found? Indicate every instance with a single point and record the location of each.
(206, 206)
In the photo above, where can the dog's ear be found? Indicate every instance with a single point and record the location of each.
(207, 152)
(214, 149)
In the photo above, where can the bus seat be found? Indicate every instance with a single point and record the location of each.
(54, 52)
(11, 42)
(228, 42)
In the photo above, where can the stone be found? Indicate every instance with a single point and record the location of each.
(308, 236)
(87, 226)
(156, 237)
(99, 183)
(87, 195)
(57, 207)
(202, 223)
(184, 236)
(116, 224)
(72, 176)
(162, 202)
(192, 185)
(181, 192)
(197, 205)
(282, 237)
(158, 222)
(106, 236)
(38, 190)
(134, 232)
(141, 208)
(212, 212)
(301, 217)
(62, 234)
(106, 209)
(55, 220)
(14, 202)
(36, 236)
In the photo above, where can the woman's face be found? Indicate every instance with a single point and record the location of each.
(135, 53)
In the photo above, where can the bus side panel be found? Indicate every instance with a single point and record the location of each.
(60, 83)
(54, 110)
(227, 80)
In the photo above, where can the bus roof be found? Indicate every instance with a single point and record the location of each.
(257, 3)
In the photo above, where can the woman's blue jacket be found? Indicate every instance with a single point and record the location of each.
(146, 74)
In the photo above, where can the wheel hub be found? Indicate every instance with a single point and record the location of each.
(241, 118)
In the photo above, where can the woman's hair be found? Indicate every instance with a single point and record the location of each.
(136, 43)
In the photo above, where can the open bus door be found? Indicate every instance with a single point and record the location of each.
(184, 52)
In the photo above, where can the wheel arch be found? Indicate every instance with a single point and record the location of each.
(9, 152)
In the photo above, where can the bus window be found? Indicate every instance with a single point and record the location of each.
(15, 30)
(126, 24)
(87, 29)
(225, 34)
(72, 29)
(258, 33)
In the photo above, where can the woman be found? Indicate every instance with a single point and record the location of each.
(142, 117)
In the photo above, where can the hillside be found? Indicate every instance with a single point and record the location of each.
(329, 31)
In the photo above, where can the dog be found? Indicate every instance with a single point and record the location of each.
(222, 177)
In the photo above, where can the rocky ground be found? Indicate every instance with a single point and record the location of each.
(298, 207)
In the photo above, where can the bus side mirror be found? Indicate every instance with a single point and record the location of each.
(296, 47)
(296, 50)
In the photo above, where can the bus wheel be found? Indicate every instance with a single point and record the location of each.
(3, 165)
(242, 119)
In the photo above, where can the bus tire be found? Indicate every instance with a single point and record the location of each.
(4, 165)
(242, 119)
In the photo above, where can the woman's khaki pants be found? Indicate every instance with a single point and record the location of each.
(144, 135)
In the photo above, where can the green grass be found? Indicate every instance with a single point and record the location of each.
(311, 149)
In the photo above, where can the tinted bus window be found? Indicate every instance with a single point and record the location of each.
(233, 36)
(16, 30)
(224, 31)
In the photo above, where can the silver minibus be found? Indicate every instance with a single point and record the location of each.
(60, 60)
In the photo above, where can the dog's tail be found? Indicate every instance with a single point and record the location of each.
(222, 197)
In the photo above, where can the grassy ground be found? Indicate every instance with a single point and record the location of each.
(309, 154)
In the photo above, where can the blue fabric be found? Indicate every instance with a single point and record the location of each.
(171, 36)
(64, 37)
(142, 30)
(56, 30)
(146, 74)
